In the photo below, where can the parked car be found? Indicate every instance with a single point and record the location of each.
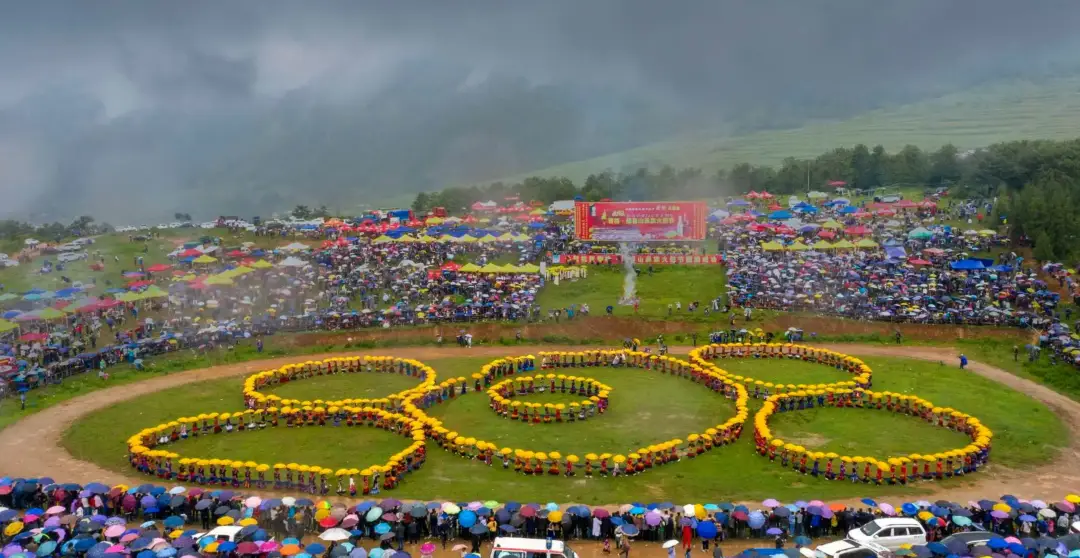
(846, 548)
(970, 538)
(890, 532)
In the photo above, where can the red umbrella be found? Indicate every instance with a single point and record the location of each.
(328, 521)
(158, 268)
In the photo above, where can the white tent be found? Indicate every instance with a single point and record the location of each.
(292, 261)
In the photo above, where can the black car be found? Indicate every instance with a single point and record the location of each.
(970, 539)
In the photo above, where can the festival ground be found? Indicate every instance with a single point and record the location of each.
(45, 431)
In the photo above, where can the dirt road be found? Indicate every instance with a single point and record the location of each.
(32, 446)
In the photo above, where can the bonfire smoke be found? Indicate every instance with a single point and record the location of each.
(629, 297)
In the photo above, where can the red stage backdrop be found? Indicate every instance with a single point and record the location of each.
(640, 221)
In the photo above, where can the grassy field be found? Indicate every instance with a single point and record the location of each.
(645, 407)
(968, 119)
(120, 253)
(666, 285)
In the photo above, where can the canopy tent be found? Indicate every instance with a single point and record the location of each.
(867, 243)
(204, 259)
(771, 246)
(920, 233)
(843, 245)
(967, 265)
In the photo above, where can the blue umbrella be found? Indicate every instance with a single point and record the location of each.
(637, 510)
(166, 552)
(707, 530)
(756, 520)
(375, 553)
(382, 528)
(1027, 518)
(227, 546)
(997, 543)
(174, 521)
(1017, 549)
(869, 502)
(467, 518)
(909, 509)
(314, 548)
(961, 520)
(938, 548)
(145, 554)
(617, 521)
(628, 530)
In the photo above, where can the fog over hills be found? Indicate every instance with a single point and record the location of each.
(146, 108)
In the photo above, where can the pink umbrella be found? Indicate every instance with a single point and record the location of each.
(818, 503)
(887, 509)
(116, 548)
(253, 502)
(114, 531)
(771, 503)
(350, 521)
(54, 510)
(128, 537)
(1066, 506)
(1013, 540)
(268, 546)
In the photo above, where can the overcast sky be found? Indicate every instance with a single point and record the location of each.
(199, 56)
(139, 54)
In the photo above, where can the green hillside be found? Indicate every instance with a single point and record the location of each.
(970, 119)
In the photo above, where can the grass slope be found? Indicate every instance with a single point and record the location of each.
(968, 119)
(666, 285)
(645, 407)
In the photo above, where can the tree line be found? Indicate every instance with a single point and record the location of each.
(858, 166)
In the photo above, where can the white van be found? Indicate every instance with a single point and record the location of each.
(890, 532)
(514, 547)
(846, 548)
(222, 533)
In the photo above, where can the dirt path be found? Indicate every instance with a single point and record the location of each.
(32, 446)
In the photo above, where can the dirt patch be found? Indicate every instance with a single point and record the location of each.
(42, 432)
(923, 332)
(807, 439)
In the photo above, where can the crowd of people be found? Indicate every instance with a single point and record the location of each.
(44, 518)
(891, 262)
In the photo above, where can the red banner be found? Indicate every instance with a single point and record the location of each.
(642, 259)
(640, 221)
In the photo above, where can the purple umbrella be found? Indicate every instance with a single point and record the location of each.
(652, 519)
(771, 503)
(148, 501)
(998, 514)
(773, 531)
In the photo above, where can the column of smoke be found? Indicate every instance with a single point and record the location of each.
(629, 296)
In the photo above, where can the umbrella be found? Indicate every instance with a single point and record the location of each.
(707, 530)
(628, 530)
(314, 548)
(938, 548)
(374, 514)
(335, 534)
(467, 519)
(382, 528)
(478, 529)
(671, 544)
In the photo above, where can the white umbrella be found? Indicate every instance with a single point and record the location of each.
(335, 534)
